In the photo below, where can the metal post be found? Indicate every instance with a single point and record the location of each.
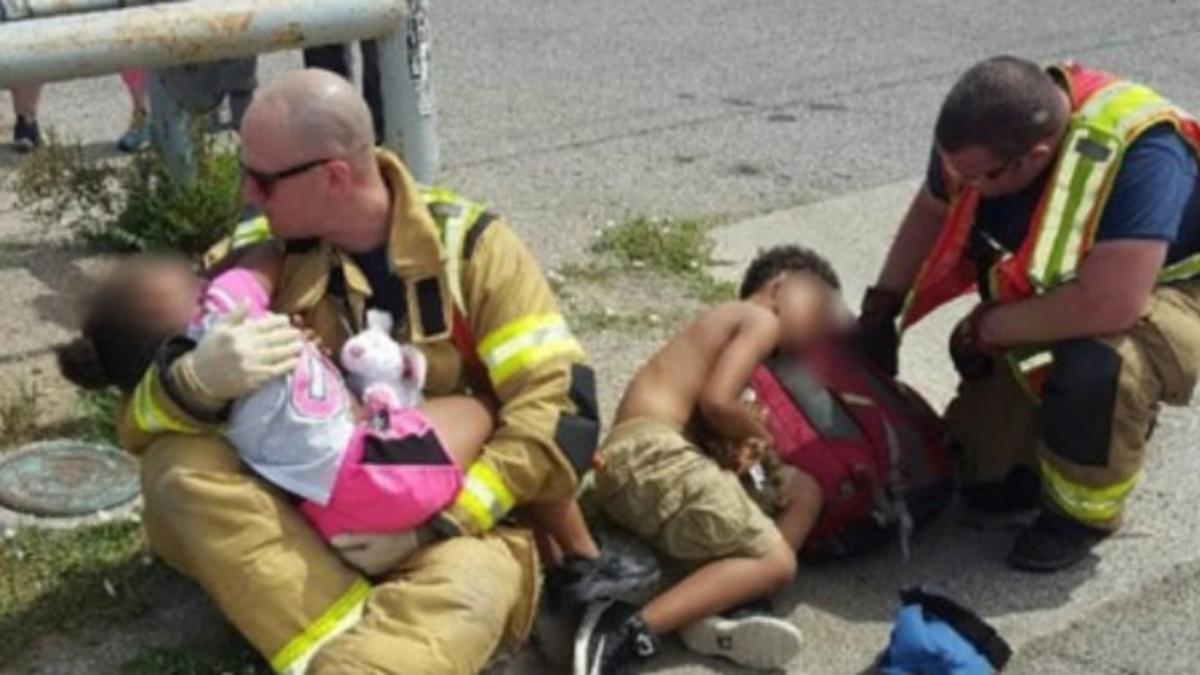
(409, 108)
(170, 129)
(83, 45)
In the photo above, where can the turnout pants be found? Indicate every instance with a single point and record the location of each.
(444, 610)
(1087, 434)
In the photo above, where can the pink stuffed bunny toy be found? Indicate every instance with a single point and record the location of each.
(384, 373)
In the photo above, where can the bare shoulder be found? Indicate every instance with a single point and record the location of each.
(736, 317)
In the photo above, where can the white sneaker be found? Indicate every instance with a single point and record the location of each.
(756, 641)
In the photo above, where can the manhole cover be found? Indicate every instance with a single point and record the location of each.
(66, 478)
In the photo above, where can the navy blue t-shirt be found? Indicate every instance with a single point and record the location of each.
(387, 290)
(1155, 195)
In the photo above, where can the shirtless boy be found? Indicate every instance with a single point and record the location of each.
(656, 481)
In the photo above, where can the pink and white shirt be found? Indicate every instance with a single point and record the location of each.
(293, 430)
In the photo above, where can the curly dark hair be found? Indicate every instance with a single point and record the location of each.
(771, 262)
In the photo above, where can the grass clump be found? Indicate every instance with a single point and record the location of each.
(52, 581)
(598, 320)
(98, 415)
(20, 411)
(132, 205)
(681, 248)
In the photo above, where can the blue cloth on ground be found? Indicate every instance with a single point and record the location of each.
(926, 645)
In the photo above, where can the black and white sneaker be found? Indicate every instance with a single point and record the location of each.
(753, 640)
(27, 137)
(611, 637)
(612, 576)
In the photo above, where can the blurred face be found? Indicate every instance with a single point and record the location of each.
(977, 167)
(807, 307)
(168, 292)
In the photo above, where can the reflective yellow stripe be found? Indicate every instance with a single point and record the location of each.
(147, 415)
(1103, 96)
(471, 503)
(1039, 270)
(1129, 104)
(493, 484)
(526, 342)
(1097, 506)
(1184, 269)
(485, 496)
(250, 232)
(1069, 250)
(345, 612)
(1035, 361)
(1081, 182)
(454, 231)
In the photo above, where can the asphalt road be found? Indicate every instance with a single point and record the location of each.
(565, 115)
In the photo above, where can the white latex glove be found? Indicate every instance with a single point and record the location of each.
(375, 554)
(238, 355)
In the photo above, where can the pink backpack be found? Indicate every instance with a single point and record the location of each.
(880, 453)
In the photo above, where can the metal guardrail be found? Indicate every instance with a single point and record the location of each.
(47, 40)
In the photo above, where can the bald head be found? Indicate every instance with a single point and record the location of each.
(315, 114)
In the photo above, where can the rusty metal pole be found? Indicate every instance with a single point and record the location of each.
(410, 112)
(102, 42)
(11, 10)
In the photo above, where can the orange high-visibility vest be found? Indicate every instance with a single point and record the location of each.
(1108, 115)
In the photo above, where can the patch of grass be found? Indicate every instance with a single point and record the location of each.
(233, 658)
(54, 581)
(132, 205)
(597, 320)
(585, 273)
(566, 280)
(681, 248)
(99, 415)
(19, 414)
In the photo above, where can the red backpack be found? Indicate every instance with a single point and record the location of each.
(879, 452)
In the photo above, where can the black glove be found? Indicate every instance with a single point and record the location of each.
(877, 335)
(973, 359)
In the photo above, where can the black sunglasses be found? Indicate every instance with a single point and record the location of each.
(266, 182)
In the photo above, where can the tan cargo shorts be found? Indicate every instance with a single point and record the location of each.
(664, 489)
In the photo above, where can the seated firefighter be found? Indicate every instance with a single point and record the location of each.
(357, 233)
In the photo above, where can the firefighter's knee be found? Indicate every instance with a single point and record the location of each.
(1078, 401)
(184, 481)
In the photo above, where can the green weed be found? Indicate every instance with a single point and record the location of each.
(98, 412)
(61, 580)
(19, 414)
(132, 205)
(598, 320)
(678, 248)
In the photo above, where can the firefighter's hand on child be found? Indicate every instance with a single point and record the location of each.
(240, 354)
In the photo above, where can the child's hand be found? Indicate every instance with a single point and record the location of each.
(749, 453)
(734, 456)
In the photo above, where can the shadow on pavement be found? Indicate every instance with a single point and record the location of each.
(954, 555)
